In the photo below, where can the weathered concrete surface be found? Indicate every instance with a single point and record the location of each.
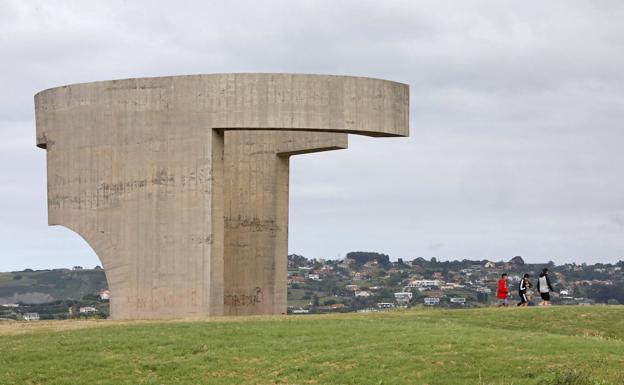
(256, 215)
(180, 184)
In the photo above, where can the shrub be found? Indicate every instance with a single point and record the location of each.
(572, 377)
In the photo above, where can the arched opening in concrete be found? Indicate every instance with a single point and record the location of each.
(89, 285)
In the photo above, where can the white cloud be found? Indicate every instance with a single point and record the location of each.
(516, 117)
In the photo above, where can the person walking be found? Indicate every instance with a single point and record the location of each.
(501, 293)
(544, 287)
(522, 291)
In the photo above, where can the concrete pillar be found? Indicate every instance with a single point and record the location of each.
(256, 215)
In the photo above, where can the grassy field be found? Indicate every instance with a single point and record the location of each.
(545, 346)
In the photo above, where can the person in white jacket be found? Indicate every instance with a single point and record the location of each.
(544, 287)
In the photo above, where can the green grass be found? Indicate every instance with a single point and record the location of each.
(545, 346)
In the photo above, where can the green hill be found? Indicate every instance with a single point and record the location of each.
(546, 346)
(48, 285)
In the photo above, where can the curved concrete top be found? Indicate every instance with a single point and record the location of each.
(346, 104)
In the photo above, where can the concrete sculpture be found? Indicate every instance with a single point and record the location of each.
(180, 184)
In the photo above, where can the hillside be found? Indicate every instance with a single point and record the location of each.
(49, 285)
(361, 281)
(559, 345)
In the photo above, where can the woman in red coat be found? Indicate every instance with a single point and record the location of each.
(502, 291)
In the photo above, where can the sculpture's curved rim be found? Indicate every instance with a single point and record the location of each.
(362, 105)
(147, 78)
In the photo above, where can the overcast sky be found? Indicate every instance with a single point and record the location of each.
(517, 111)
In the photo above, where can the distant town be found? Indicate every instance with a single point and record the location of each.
(366, 281)
(361, 282)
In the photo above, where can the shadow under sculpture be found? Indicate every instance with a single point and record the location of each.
(180, 184)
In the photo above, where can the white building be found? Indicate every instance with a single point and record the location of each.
(424, 283)
(489, 265)
(432, 301)
(105, 295)
(31, 316)
(403, 297)
(362, 293)
(88, 309)
(458, 300)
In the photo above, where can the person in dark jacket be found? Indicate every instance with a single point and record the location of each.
(522, 290)
(544, 287)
